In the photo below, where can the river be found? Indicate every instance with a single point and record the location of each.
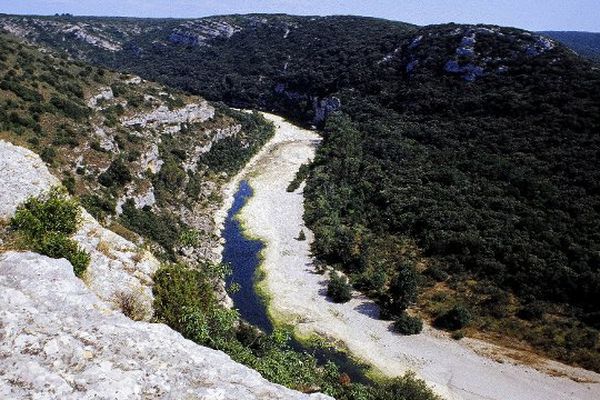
(243, 255)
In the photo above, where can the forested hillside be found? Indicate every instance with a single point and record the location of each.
(586, 44)
(148, 162)
(459, 171)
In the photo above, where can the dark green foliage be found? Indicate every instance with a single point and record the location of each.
(408, 325)
(531, 311)
(69, 184)
(456, 318)
(58, 245)
(47, 222)
(300, 177)
(70, 108)
(301, 235)
(338, 288)
(172, 176)
(176, 288)
(116, 174)
(162, 228)
(22, 91)
(99, 207)
(53, 212)
(184, 299)
(48, 155)
(403, 288)
(232, 153)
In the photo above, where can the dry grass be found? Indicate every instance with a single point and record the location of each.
(132, 305)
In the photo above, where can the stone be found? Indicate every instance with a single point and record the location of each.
(60, 341)
(22, 175)
(162, 115)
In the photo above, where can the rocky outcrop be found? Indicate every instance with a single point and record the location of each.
(59, 341)
(163, 116)
(22, 175)
(105, 94)
(201, 32)
(117, 266)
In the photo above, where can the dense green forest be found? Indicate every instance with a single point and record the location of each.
(459, 169)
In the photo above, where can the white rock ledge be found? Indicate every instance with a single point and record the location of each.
(59, 341)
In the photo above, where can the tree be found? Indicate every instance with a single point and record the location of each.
(408, 325)
(403, 288)
(454, 319)
(339, 289)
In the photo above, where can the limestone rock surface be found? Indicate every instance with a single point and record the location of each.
(60, 341)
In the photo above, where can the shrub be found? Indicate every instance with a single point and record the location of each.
(48, 155)
(532, 311)
(58, 245)
(338, 289)
(300, 177)
(70, 109)
(408, 325)
(53, 212)
(301, 236)
(131, 304)
(117, 173)
(403, 289)
(457, 335)
(456, 318)
(46, 222)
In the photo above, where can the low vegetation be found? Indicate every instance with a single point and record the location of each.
(408, 325)
(47, 223)
(300, 177)
(184, 299)
(338, 288)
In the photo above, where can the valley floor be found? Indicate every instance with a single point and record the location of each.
(455, 369)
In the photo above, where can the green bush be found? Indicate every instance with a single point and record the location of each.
(408, 325)
(338, 289)
(300, 177)
(456, 318)
(46, 222)
(117, 173)
(58, 245)
(53, 212)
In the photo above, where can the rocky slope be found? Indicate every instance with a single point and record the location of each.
(58, 340)
(66, 338)
(135, 152)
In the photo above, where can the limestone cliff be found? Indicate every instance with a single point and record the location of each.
(60, 341)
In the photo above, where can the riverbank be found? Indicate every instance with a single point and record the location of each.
(455, 369)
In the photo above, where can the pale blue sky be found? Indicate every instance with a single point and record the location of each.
(528, 14)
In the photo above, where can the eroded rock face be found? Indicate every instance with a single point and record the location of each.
(162, 115)
(60, 341)
(117, 266)
(22, 175)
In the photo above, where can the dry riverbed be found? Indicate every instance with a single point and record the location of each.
(455, 369)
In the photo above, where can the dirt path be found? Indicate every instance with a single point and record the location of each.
(455, 369)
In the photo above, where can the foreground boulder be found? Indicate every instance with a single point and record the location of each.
(58, 340)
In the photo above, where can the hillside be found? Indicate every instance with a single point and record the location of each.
(112, 223)
(586, 44)
(139, 155)
(458, 174)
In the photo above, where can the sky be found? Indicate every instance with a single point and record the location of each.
(536, 15)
